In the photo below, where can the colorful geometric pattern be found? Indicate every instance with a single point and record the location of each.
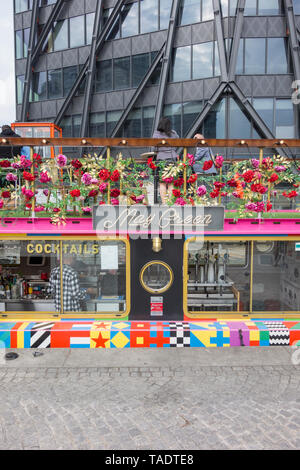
(93, 333)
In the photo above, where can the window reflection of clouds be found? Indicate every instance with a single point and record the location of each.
(149, 15)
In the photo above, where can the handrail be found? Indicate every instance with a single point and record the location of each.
(146, 142)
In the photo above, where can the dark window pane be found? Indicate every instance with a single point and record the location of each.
(149, 16)
(207, 10)
(97, 125)
(60, 35)
(112, 117)
(264, 107)
(130, 19)
(203, 60)
(140, 66)
(69, 77)
(148, 116)
(19, 44)
(165, 9)
(191, 111)
(250, 7)
(182, 64)
(255, 55)
(214, 124)
(48, 44)
(240, 59)
(190, 12)
(77, 31)
(154, 80)
(173, 112)
(20, 88)
(277, 56)
(89, 27)
(54, 84)
(269, 7)
(104, 76)
(115, 30)
(133, 124)
(26, 41)
(76, 125)
(240, 127)
(121, 73)
(66, 125)
(39, 86)
(284, 119)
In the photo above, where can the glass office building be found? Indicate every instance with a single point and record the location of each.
(230, 66)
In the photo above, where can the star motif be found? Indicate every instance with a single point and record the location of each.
(100, 341)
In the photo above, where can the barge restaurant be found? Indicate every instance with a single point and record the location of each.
(89, 258)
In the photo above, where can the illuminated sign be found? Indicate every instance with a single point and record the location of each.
(67, 248)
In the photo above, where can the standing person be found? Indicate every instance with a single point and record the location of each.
(72, 293)
(167, 154)
(203, 154)
(8, 151)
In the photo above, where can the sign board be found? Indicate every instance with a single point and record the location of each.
(142, 220)
(297, 246)
(156, 306)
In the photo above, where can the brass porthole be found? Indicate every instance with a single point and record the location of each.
(156, 277)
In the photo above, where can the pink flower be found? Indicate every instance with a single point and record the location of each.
(94, 181)
(255, 163)
(11, 177)
(102, 187)
(250, 206)
(61, 160)
(1, 203)
(46, 192)
(86, 210)
(86, 179)
(191, 159)
(143, 174)
(180, 201)
(28, 193)
(280, 168)
(201, 190)
(140, 198)
(168, 180)
(39, 208)
(44, 177)
(24, 162)
(219, 161)
(16, 166)
(114, 202)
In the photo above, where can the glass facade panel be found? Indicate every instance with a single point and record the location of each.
(182, 64)
(39, 86)
(189, 12)
(54, 84)
(69, 77)
(140, 66)
(214, 125)
(190, 110)
(296, 5)
(203, 60)
(276, 271)
(77, 31)
(112, 117)
(66, 125)
(240, 59)
(165, 9)
(60, 36)
(255, 56)
(149, 15)
(265, 108)
(277, 56)
(284, 119)
(219, 276)
(104, 76)
(21, 5)
(19, 44)
(26, 41)
(207, 10)
(76, 125)
(148, 117)
(173, 112)
(94, 276)
(250, 7)
(130, 19)
(97, 125)
(269, 7)
(239, 124)
(25, 276)
(121, 73)
(133, 124)
(89, 27)
(20, 88)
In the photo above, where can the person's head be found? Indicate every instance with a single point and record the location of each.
(199, 136)
(6, 128)
(165, 126)
(68, 259)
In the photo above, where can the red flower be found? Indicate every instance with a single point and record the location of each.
(214, 194)
(151, 164)
(115, 193)
(56, 209)
(248, 176)
(93, 193)
(207, 165)
(269, 206)
(37, 159)
(28, 176)
(258, 188)
(273, 178)
(290, 195)
(176, 192)
(232, 183)
(193, 178)
(76, 164)
(104, 174)
(75, 193)
(115, 176)
(178, 183)
(6, 194)
(218, 185)
(5, 164)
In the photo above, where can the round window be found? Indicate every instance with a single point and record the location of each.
(156, 277)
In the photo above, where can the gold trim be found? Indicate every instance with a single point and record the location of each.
(156, 291)
(251, 276)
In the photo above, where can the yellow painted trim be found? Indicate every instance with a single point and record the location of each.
(251, 276)
(156, 291)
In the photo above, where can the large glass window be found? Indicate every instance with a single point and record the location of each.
(207, 10)
(173, 112)
(133, 124)
(265, 108)
(112, 118)
(228, 7)
(269, 7)
(140, 65)
(121, 73)
(214, 125)
(296, 5)
(181, 64)
(97, 125)
(77, 31)
(54, 84)
(19, 44)
(21, 5)
(277, 56)
(89, 27)
(149, 15)
(191, 111)
(203, 60)
(60, 36)
(130, 19)
(255, 55)
(284, 119)
(39, 86)
(189, 12)
(94, 276)
(165, 9)
(148, 117)
(104, 76)
(276, 277)
(69, 77)
(20, 88)
(218, 276)
(240, 126)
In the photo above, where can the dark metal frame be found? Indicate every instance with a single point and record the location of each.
(293, 37)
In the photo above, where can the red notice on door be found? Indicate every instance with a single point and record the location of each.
(156, 306)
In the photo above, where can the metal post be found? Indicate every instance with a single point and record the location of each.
(184, 170)
(236, 39)
(293, 39)
(107, 166)
(220, 39)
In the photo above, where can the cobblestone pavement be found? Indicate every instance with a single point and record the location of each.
(168, 407)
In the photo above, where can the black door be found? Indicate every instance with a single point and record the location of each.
(156, 280)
